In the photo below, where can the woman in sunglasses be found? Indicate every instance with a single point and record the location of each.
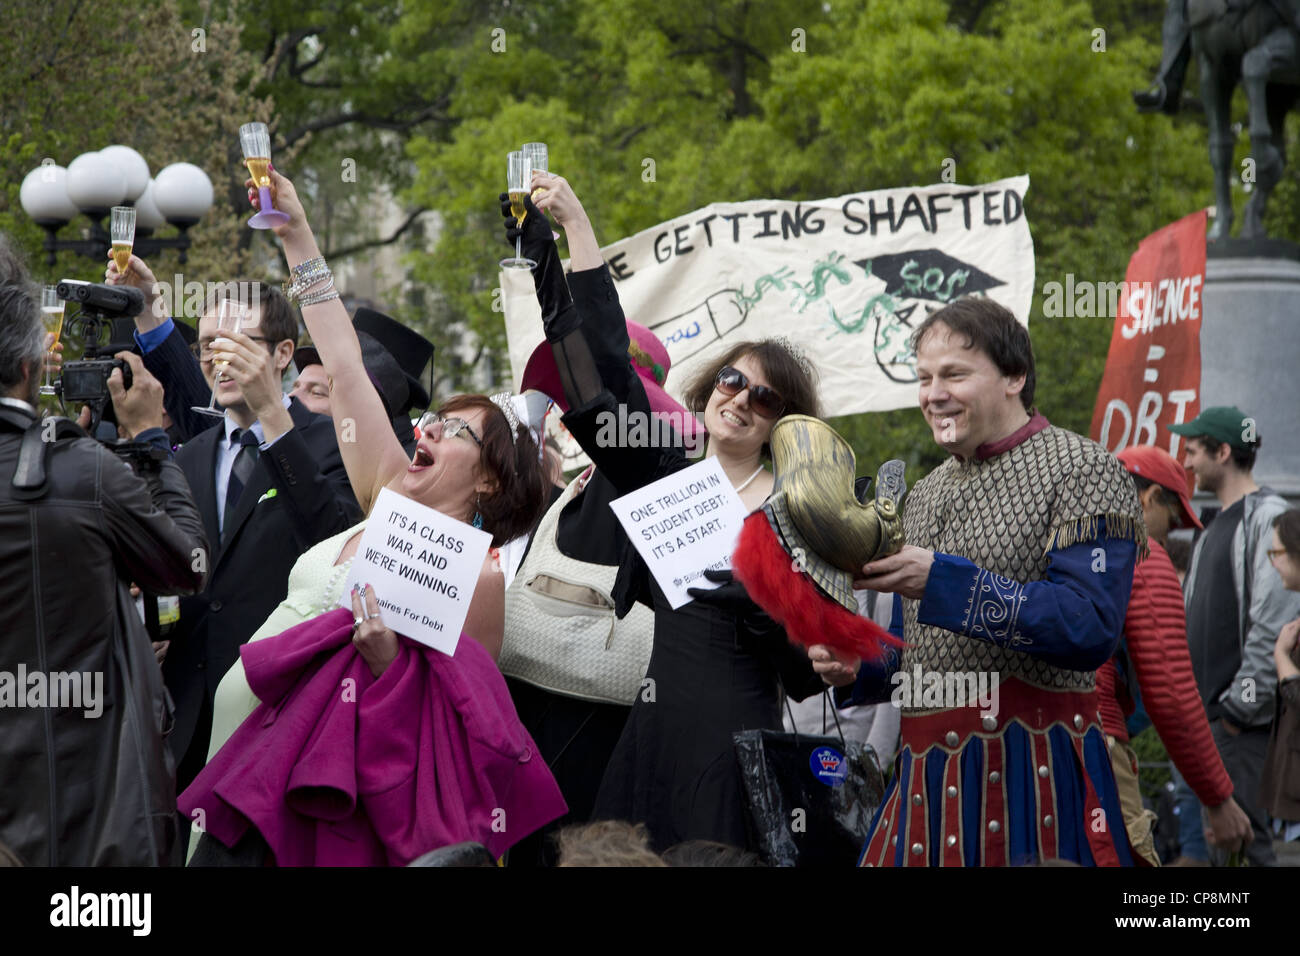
(718, 663)
(475, 461)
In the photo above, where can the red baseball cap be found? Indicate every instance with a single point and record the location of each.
(1157, 465)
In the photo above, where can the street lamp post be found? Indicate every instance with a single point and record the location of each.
(115, 176)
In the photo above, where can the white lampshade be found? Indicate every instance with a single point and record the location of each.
(133, 167)
(182, 191)
(147, 213)
(44, 194)
(95, 182)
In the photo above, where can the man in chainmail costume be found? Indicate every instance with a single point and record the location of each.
(1011, 591)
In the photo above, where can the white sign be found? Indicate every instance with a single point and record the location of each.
(846, 279)
(684, 525)
(423, 567)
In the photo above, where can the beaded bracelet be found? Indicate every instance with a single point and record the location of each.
(304, 276)
(319, 296)
(302, 269)
(317, 281)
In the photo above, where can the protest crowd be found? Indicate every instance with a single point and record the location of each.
(589, 711)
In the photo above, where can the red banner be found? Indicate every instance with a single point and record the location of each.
(1153, 369)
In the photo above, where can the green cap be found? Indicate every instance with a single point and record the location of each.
(1225, 423)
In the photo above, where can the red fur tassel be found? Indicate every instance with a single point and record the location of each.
(808, 616)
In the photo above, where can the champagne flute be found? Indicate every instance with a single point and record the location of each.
(518, 176)
(255, 139)
(537, 159)
(123, 235)
(540, 162)
(231, 316)
(52, 320)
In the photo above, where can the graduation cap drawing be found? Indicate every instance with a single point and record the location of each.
(928, 274)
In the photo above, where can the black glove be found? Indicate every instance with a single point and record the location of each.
(761, 635)
(752, 622)
(535, 232)
(559, 317)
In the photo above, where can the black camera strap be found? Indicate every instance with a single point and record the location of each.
(31, 479)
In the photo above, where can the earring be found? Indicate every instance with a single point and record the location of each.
(478, 517)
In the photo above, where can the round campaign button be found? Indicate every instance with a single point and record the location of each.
(829, 766)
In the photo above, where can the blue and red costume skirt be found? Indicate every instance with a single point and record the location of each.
(1032, 782)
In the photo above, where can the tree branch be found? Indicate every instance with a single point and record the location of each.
(373, 243)
(396, 123)
(289, 47)
(630, 135)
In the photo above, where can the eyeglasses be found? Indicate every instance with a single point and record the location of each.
(451, 427)
(766, 401)
(203, 350)
(1274, 553)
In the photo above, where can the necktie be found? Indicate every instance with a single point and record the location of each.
(239, 474)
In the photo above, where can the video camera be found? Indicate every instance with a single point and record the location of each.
(85, 381)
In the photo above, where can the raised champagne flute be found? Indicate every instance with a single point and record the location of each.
(52, 320)
(539, 159)
(231, 315)
(255, 139)
(122, 232)
(518, 177)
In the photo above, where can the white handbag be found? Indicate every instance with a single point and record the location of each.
(561, 633)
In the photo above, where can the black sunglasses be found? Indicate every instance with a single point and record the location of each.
(766, 401)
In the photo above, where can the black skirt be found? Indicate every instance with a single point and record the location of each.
(674, 768)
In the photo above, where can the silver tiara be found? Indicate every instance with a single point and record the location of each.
(798, 354)
(504, 401)
(531, 403)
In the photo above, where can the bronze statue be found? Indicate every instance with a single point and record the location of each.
(1256, 43)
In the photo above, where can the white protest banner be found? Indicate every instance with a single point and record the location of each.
(846, 279)
(683, 525)
(423, 567)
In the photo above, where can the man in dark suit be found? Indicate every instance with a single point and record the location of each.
(269, 483)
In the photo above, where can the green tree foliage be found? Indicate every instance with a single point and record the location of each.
(791, 100)
(80, 76)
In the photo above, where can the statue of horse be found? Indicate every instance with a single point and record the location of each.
(1252, 42)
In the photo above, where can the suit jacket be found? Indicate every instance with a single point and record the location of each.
(297, 496)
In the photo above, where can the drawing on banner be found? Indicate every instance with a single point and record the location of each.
(924, 278)
(689, 332)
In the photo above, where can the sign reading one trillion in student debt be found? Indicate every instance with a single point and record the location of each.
(423, 567)
(682, 526)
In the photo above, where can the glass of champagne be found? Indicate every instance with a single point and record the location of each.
(518, 176)
(52, 320)
(231, 316)
(255, 139)
(122, 232)
(539, 159)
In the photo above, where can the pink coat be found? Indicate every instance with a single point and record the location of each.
(336, 768)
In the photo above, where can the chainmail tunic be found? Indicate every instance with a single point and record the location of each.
(1004, 514)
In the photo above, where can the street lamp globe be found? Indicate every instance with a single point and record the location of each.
(148, 216)
(95, 183)
(44, 195)
(182, 192)
(133, 167)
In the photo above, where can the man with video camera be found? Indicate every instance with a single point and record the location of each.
(87, 778)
